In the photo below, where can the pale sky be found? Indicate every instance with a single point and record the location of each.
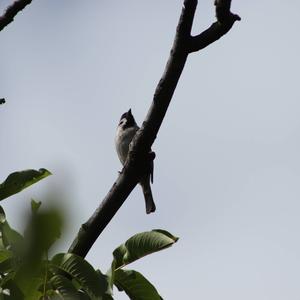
(227, 171)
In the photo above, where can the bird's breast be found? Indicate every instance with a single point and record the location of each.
(123, 139)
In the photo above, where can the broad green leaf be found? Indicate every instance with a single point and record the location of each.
(91, 281)
(43, 229)
(33, 295)
(30, 281)
(64, 288)
(18, 181)
(135, 285)
(4, 255)
(8, 236)
(141, 245)
(41, 232)
(6, 261)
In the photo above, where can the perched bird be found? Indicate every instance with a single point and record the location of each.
(126, 130)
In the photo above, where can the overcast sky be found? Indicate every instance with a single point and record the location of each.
(227, 170)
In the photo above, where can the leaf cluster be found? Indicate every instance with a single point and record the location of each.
(26, 271)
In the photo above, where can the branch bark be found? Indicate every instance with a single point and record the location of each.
(12, 11)
(183, 44)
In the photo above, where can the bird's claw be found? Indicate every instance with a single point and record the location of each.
(151, 155)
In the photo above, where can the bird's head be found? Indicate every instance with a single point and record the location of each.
(127, 120)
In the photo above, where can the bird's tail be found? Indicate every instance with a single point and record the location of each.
(150, 205)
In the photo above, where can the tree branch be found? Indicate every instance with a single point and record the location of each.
(139, 148)
(225, 20)
(12, 11)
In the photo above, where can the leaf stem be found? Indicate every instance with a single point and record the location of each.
(46, 276)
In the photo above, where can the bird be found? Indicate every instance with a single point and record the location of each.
(126, 130)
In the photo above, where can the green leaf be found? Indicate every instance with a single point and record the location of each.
(6, 261)
(141, 245)
(94, 283)
(11, 291)
(64, 288)
(33, 294)
(82, 295)
(8, 236)
(111, 276)
(35, 206)
(107, 297)
(135, 285)
(30, 279)
(2, 215)
(18, 181)
(43, 229)
(4, 255)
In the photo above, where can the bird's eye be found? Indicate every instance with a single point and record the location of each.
(122, 122)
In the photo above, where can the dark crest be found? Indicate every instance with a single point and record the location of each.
(129, 117)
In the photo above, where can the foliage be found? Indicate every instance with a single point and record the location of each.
(18, 181)
(27, 273)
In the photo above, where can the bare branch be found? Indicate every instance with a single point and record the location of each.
(12, 11)
(225, 20)
(139, 148)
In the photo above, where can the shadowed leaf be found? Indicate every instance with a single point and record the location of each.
(18, 181)
(64, 288)
(141, 245)
(94, 283)
(135, 285)
(10, 290)
(43, 229)
(9, 238)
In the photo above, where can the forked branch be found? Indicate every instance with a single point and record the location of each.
(183, 44)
